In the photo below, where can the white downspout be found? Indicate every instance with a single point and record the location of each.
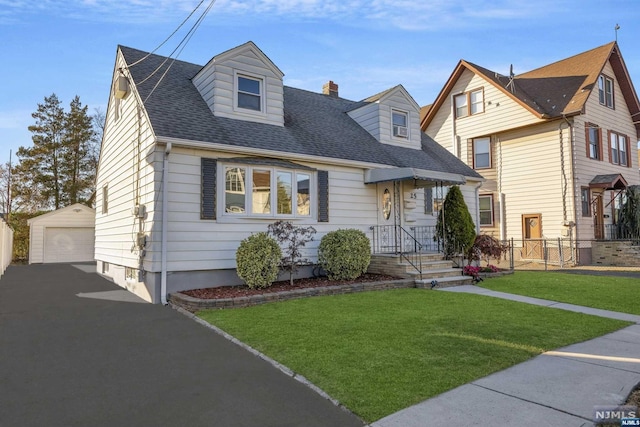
(165, 222)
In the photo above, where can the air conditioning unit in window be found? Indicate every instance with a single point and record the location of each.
(400, 131)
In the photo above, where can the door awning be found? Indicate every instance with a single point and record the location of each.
(609, 182)
(424, 178)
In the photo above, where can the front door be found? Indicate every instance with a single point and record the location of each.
(532, 236)
(598, 216)
(386, 230)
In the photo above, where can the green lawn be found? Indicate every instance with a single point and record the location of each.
(379, 352)
(604, 292)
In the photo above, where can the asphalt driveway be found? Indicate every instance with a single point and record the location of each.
(77, 350)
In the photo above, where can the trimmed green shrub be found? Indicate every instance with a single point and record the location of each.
(455, 227)
(344, 254)
(258, 260)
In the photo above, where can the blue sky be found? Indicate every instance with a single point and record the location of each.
(68, 47)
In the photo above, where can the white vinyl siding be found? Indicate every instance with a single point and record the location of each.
(377, 119)
(532, 178)
(129, 167)
(217, 82)
(501, 113)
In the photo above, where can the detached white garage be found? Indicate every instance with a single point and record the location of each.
(64, 235)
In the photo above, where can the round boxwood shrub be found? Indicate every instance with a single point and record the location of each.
(344, 254)
(258, 260)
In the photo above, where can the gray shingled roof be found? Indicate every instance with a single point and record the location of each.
(315, 124)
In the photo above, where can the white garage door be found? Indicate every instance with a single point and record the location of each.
(68, 244)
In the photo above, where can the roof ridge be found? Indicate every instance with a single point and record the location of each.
(586, 52)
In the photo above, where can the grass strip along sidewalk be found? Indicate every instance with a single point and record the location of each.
(603, 292)
(379, 352)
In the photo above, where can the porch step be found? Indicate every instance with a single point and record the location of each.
(437, 274)
(434, 267)
(445, 282)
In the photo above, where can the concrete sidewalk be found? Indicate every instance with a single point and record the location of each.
(470, 289)
(557, 388)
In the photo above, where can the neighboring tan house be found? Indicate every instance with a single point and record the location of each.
(556, 145)
(196, 158)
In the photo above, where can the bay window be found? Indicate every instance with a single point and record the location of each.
(258, 191)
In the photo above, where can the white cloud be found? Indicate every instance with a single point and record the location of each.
(402, 14)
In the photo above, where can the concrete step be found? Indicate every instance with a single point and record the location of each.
(445, 282)
(431, 265)
(436, 274)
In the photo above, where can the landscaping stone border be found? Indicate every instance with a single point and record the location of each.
(194, 304)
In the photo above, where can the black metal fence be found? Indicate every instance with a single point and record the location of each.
(620, 232)
(547, 254)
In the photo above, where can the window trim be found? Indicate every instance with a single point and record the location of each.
(248, 191)
(588, 201)
(492, 210)
(236, 90)
(587, 128)
(405, 114)
(473, 153)
(603, 79)
(468, 104)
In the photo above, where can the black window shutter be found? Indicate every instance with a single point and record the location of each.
(208, 205)
(323, 196)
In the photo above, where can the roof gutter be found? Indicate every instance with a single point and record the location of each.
(254, 152)
(165, 224)
(258, 152)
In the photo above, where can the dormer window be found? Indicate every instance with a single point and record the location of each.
(400, 120)
(605, 91)
(249, 94)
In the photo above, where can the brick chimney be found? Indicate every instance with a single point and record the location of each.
(330, 89)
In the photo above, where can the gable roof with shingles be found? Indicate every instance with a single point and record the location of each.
(314, 124)
(555, 90)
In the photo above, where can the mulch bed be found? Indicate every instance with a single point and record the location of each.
(312, 282)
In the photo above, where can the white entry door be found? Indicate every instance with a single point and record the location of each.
(386, 230)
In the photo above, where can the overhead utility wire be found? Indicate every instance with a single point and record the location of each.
(168, 38)
(181, 46)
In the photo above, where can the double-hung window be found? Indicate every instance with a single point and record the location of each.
(259, 191)
(605, 91)
(486, 210)
(400, 127)
(482, 153)
(618, 149)
(469, 103)
(585, 199)
(249, 93)
(594, 147)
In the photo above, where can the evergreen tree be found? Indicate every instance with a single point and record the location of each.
(39, 165)
(76, 167)
(57, 170)
(629, 216)
(455, 227)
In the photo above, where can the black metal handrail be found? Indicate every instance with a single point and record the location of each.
(397, 240)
